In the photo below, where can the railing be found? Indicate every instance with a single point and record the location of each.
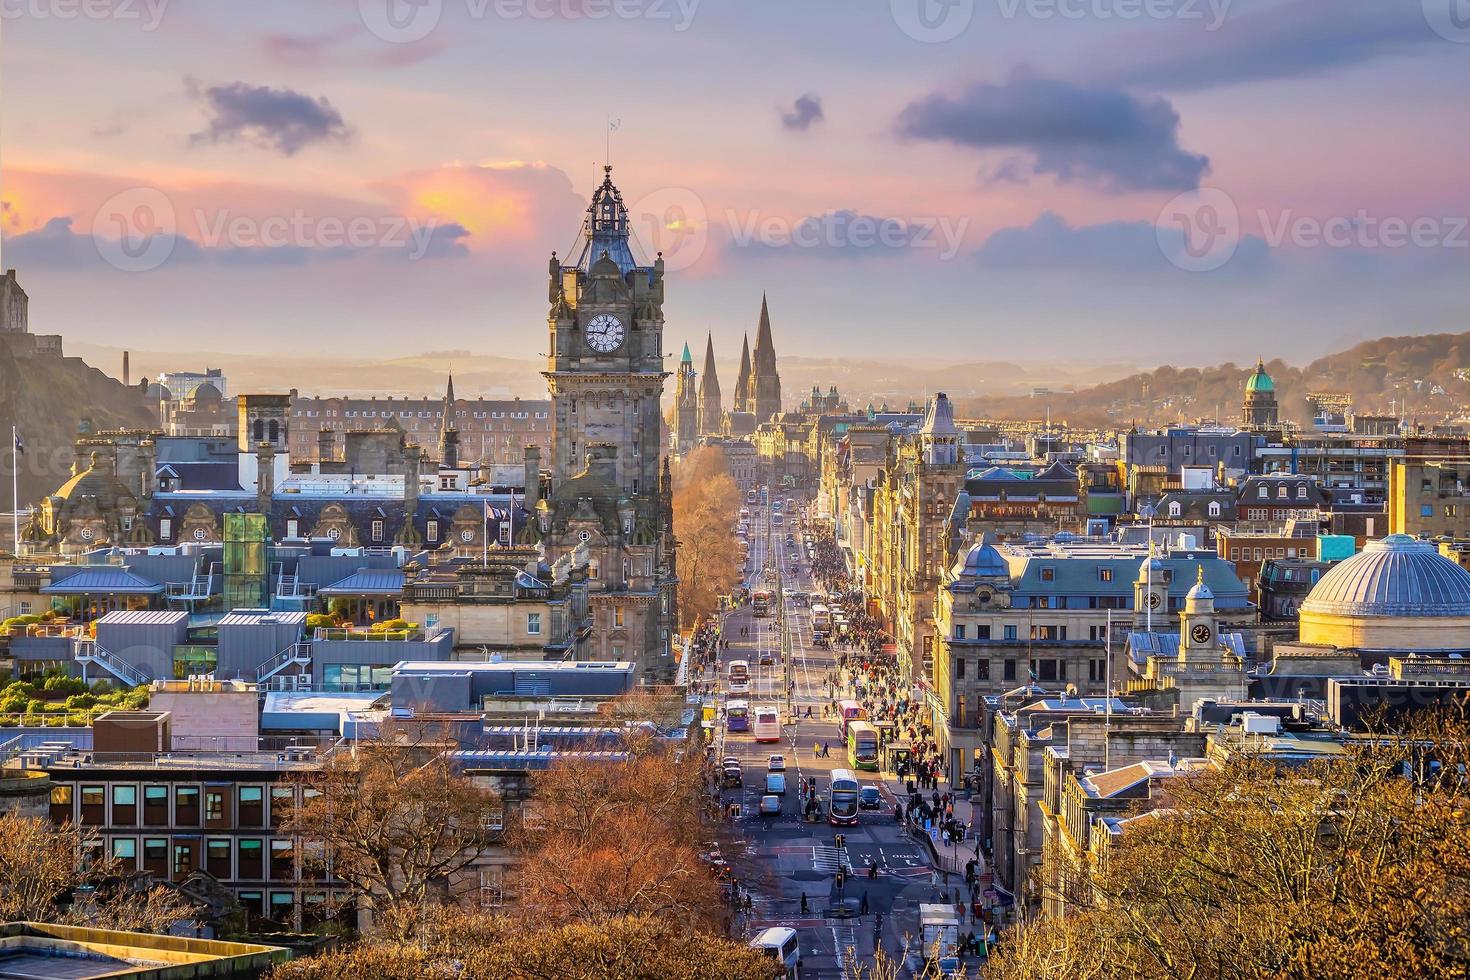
(297, 654)
(290, 587)
(366, 635)
(46, 629)
(89, 651)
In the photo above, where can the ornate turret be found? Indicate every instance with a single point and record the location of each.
(684, 416)
(1260, 410)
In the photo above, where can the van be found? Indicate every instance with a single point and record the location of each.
(779, 943)
(776, 783)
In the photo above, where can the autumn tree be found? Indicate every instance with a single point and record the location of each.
(605, 840)
(706, 508)
(1354, 866)
(395, 821)
(473, 946)
(43, 866)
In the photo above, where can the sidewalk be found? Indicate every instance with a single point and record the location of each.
(946, 857)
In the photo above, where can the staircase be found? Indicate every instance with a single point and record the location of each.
(297, 654)
(87, 651)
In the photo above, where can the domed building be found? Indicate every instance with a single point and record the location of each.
(1260, 410)
(1398, 594)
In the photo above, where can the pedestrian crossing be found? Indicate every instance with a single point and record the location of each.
(827, 859)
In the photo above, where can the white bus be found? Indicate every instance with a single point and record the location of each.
(779, 943)
(767, 723)
(821, 620)
(739, 677)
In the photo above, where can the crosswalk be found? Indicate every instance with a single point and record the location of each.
(827, 859)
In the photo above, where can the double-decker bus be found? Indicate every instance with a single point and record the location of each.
(842, 800)
(761, 603)
(739, 677)
(767, 723)
(737, 716)
(821, 621)
(848, 712)
(862, 746)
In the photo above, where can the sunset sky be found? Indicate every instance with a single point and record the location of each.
(390, 176)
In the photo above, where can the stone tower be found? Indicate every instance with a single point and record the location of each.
(448, 430)
(684, 418)
(711, 419)
(1260, 410)
(765, 381)
(605, 374)
(742, 380)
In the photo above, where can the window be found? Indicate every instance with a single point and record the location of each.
(1214, 508)
(1301, 492)
(125, 850)
(432, 532)
(249, 853)
(214, 806)
(1008, 671)
(982, 632)
(155, 855)
(533, 624)
(959, 632)
(1426, 510)
(1263, 493)
(492, 894)
(505, 532)
(1175, 509)
(617, 652)
(217, 857)
(283, 801)
(377, 529)
(94, 803)
(1048, 669)
(982, 670)
(281, 906)
(183, 860)
(293, 528)
(1104, 574)
(283, 861)
(1010, 632)
(617, 616)
(124, 804)
(165, 529)
(252, 808)
(1048, 574)
(186, 806)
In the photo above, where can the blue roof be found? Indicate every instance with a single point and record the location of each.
(110, 580)
(367, 581)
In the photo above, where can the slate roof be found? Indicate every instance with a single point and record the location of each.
(367, 581)
(98, 580)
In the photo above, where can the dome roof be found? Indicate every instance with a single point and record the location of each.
(1260, 380)
(1200, 592)
(983, 559)
(1396, 576)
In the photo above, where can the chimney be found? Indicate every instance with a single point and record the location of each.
(265, 479)
(326, 445)
(533, 477)
(412, 457)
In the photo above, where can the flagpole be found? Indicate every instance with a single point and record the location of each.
(15, 489)
(1108, 693)
(485, 531)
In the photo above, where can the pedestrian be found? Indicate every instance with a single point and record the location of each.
(804, 909)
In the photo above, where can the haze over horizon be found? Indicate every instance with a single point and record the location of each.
(998, 186)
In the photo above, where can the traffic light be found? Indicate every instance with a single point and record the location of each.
(841, 877)
(841, 840)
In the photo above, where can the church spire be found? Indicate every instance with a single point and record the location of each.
(448, 431)
(686, 359)
(742, 380)
(766, 382)
(710, 413)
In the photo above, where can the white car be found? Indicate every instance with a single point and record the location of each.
(770, 805)
(777, 763)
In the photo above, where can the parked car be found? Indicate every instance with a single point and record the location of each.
(734, 776)
(869, 798)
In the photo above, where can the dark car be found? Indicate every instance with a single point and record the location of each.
(869, 798)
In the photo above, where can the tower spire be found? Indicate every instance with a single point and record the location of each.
(742, 380)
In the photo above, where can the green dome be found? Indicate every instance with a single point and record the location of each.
(1260, 380)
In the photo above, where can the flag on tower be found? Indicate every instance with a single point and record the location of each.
(20, 444)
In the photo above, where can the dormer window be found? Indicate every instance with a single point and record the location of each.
(1281, 493)
(1264, 492)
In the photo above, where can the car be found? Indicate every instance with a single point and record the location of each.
(777, 763)
(770, 805)
(869, 798)
(734, 776)
(767, 657)
(776, 783)
(730, 760)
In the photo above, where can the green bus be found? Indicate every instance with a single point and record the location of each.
(862, 746)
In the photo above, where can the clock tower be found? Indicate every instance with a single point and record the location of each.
(610, 493)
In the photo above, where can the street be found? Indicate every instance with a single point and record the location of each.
(797, 858)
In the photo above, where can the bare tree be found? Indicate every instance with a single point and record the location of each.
(706, 506)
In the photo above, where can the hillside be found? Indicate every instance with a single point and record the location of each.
(47, 397)
(1425, 377)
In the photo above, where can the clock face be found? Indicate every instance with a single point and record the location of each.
(1200, 634)
(1155, 600)
(605, 333)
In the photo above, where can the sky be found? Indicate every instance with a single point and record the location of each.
(1154, 181)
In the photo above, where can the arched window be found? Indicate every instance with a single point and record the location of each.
(1281, 493)
(275, 430)
(1264, 493)
(260, 430)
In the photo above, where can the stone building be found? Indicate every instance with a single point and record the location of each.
(1429, 498)
(495, 431)
(1260, 410)
(684, 413)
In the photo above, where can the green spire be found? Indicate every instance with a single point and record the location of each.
(687, 358)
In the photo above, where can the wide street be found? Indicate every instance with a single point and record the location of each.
(794, 857)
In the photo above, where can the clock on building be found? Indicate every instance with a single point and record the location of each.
(605, 333)
(1155, 600)
(467, 535)
(1200, 634)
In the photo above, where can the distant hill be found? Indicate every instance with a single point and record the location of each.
(1426, 376)
(47, 397)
